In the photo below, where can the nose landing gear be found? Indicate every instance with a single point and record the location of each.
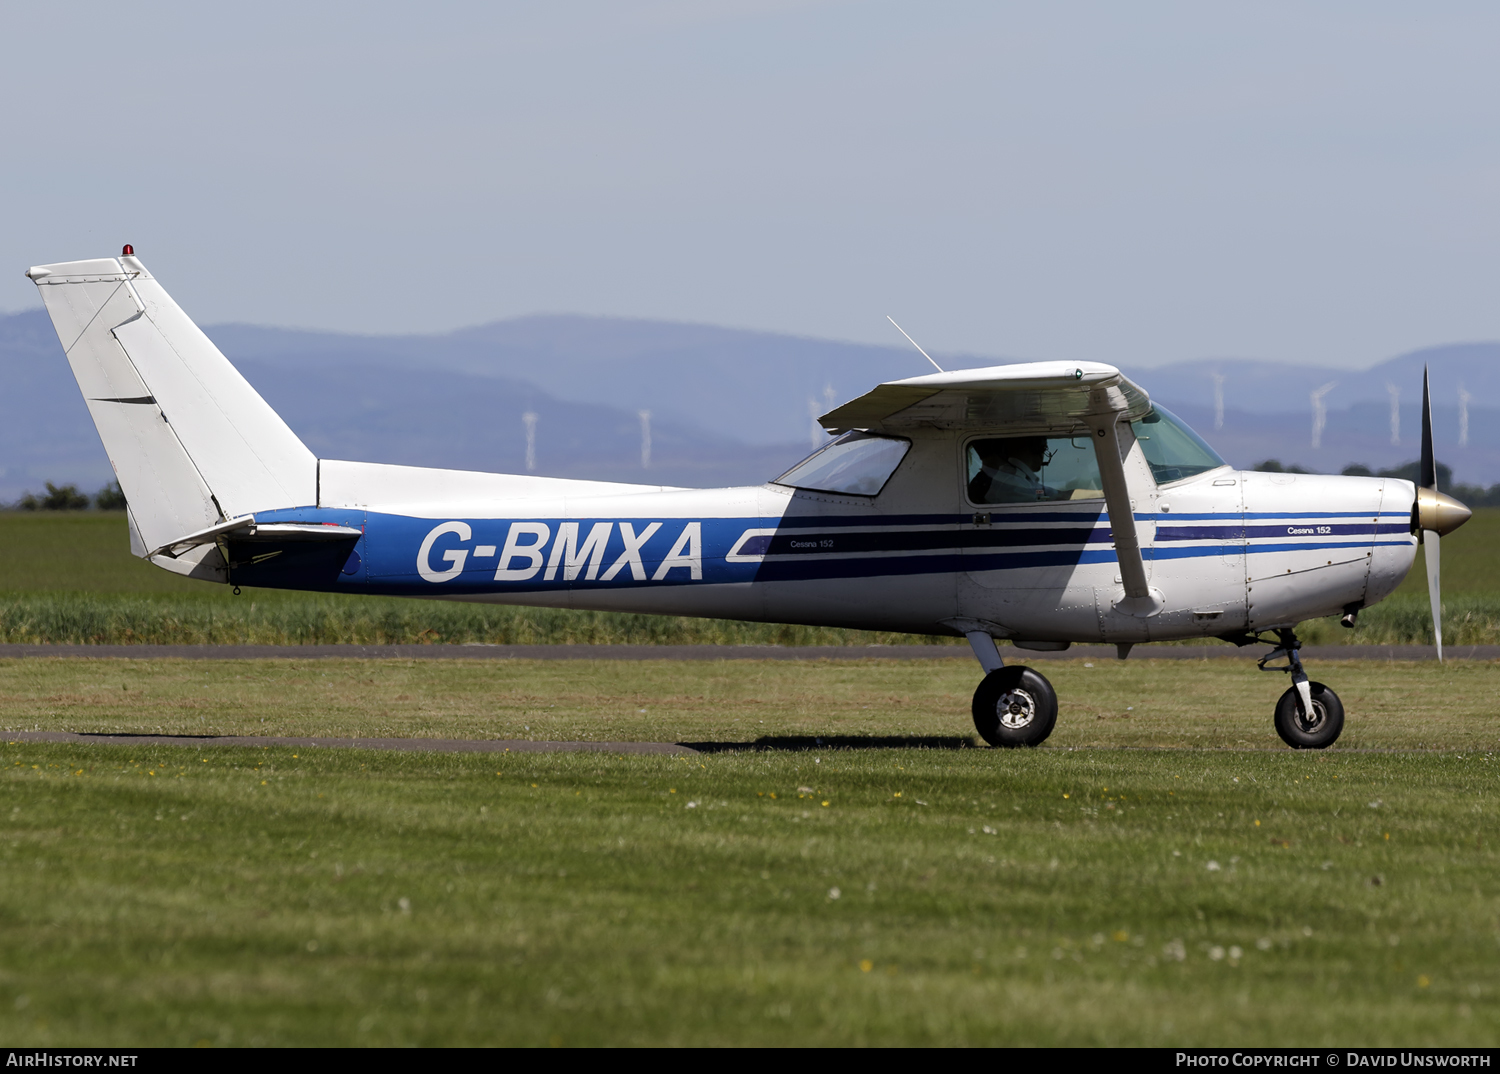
(1309, 716)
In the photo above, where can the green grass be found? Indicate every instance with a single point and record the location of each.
(172, 896)
(68, 577)
(268, 617)
(1134, 703)
(272, 618)
(159, 896)
(80, 552)
(1406, 619)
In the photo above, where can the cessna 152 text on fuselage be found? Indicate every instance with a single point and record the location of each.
(1044, 503)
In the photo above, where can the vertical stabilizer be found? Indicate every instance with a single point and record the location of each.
(191, 442)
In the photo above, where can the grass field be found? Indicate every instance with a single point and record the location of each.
(1162, 873)
(1132, 703)
(1099, 894)
(69, 577)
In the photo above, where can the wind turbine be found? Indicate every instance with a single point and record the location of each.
(528, 420)
(1320, 412)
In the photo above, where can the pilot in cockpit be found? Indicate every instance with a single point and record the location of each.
(1009, 470)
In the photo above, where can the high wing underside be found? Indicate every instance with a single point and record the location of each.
(1030, 397)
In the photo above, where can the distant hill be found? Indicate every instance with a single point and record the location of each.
(440, 418)
(392, 408)
(45, 430)
(757, 387)
(775, 382)
(1268, 411)
(1358, 434)
(728, 406)
(1278, 387)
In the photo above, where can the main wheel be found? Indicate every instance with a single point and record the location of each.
(1014, 706)
(1315, 732)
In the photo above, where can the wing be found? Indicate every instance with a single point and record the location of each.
(1027, 397)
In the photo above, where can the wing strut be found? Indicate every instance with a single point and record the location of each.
(1140, 599)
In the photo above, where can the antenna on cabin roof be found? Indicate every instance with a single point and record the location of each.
(914, 343)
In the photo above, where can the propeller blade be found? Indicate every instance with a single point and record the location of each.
(1430, 541)
(1427, 475)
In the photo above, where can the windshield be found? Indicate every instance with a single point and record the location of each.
(1029, 469)
(1173, 450)
(856, 464)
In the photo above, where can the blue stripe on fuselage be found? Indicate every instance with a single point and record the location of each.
(1300, 528)
(862, 546)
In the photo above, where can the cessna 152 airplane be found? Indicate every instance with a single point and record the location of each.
(1043, 503)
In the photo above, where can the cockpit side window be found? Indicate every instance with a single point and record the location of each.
(1173, 450)
(1031, 469)
(855, 464)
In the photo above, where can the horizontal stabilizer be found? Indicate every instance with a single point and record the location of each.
(247, 529)
(207, 535)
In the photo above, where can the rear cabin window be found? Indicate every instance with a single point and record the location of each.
(1032, 469)
(1173, 450)
(856, 464)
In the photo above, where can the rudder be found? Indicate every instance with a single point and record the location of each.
(191, 442)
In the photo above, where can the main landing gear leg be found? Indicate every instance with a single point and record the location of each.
(1309, 715)
(1014, 706)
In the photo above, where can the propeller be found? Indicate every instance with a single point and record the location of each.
(1436, 514)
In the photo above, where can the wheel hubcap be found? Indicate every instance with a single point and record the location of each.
(1016, 709)
(1313, 721)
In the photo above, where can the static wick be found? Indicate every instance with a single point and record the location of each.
(915, 344)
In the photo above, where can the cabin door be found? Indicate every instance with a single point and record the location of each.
(1035, 505)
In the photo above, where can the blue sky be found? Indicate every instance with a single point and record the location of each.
(1140, 183)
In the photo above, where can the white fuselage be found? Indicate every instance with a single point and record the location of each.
(1228, 550)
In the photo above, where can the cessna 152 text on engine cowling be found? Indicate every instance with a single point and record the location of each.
(1044, 503)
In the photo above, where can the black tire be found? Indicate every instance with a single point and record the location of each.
(1317, 733)
(1014, 706)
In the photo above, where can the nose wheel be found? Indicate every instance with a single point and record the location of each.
(1309, 716)
(1014, 706)
(1312, 730)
